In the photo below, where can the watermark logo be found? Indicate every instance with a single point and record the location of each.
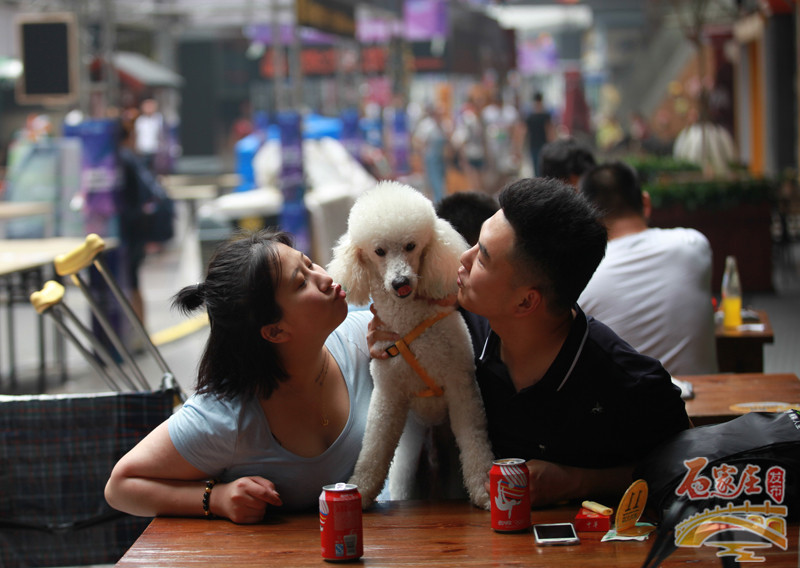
(735, 529)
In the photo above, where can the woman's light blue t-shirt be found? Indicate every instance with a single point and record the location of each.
(229, 439)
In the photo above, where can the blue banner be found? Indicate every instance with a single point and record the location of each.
(294, 217)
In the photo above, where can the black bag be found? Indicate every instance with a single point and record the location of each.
(758, 438)
(56, 455)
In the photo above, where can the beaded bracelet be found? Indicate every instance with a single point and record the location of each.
(207, 497)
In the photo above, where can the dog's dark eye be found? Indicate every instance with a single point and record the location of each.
(410, 247)
(380, 252)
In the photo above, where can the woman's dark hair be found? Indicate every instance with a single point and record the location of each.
(239, 294)
(558, 237)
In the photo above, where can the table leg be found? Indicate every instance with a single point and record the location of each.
(12, 364)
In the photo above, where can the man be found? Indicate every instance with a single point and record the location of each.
(466, 211)
(565, 159)
(561, 390)
(539, 129)
(653, 287)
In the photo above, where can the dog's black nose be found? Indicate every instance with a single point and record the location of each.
(399, 282)
(402, 286)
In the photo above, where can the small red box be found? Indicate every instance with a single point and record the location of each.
(589, 521)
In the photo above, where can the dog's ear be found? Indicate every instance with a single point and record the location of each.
(441, 261)
(349, 269)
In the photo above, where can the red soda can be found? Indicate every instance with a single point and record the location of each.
(511, 500)
(340, 523)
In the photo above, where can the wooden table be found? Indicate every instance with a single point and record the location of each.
(714, 395)
(191, 194)
(403, 533)
(11, 210)
(741, 350)
(19, 255)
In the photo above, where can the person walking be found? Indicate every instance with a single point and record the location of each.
(539, 128)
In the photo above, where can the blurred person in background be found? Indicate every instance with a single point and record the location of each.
(638, 132)
(149, 127)
(539, 130)
(431, 140)
(504, 136)
(133, 200)
(565, 159)
(469, 139)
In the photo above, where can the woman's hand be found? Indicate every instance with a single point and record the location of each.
(244, 500)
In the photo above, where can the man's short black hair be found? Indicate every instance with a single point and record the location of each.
(565, 157)
(466, 211)
(559, 238)
(614, 189)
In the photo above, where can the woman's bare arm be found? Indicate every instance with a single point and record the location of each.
(154, 479)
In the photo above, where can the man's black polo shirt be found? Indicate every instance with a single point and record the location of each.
(600, 404)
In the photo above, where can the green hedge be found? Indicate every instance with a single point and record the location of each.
(671, 182)
(711, 194)
(651, 167)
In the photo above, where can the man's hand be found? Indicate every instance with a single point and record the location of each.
(551, 482)
(376, 334)
(244, 500)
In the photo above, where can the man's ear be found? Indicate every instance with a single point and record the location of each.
(529, 302)
(647, 205)
(274, 333)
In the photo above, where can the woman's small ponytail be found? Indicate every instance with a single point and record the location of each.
(190, 298)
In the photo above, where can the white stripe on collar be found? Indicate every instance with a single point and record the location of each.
(485, 343)
(577, 356)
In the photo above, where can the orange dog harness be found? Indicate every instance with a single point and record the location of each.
(401, 348)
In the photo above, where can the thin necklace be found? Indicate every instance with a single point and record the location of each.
(323, 374)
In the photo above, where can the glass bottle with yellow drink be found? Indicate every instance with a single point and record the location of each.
(731, 294)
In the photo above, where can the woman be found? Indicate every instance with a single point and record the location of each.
(432, 142)
(281, 400)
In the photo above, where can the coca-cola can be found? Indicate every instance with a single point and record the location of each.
(511, 500)
(340, 523)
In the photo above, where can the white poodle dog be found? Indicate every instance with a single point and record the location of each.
(398, 252)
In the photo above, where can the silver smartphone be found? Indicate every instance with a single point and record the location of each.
(555, 534)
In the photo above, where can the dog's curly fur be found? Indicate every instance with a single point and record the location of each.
(398, 252)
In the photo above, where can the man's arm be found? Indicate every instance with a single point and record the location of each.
(550, 482)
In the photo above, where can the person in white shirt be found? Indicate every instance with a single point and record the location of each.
(149, 127)
(504, 135)
(654, 285)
